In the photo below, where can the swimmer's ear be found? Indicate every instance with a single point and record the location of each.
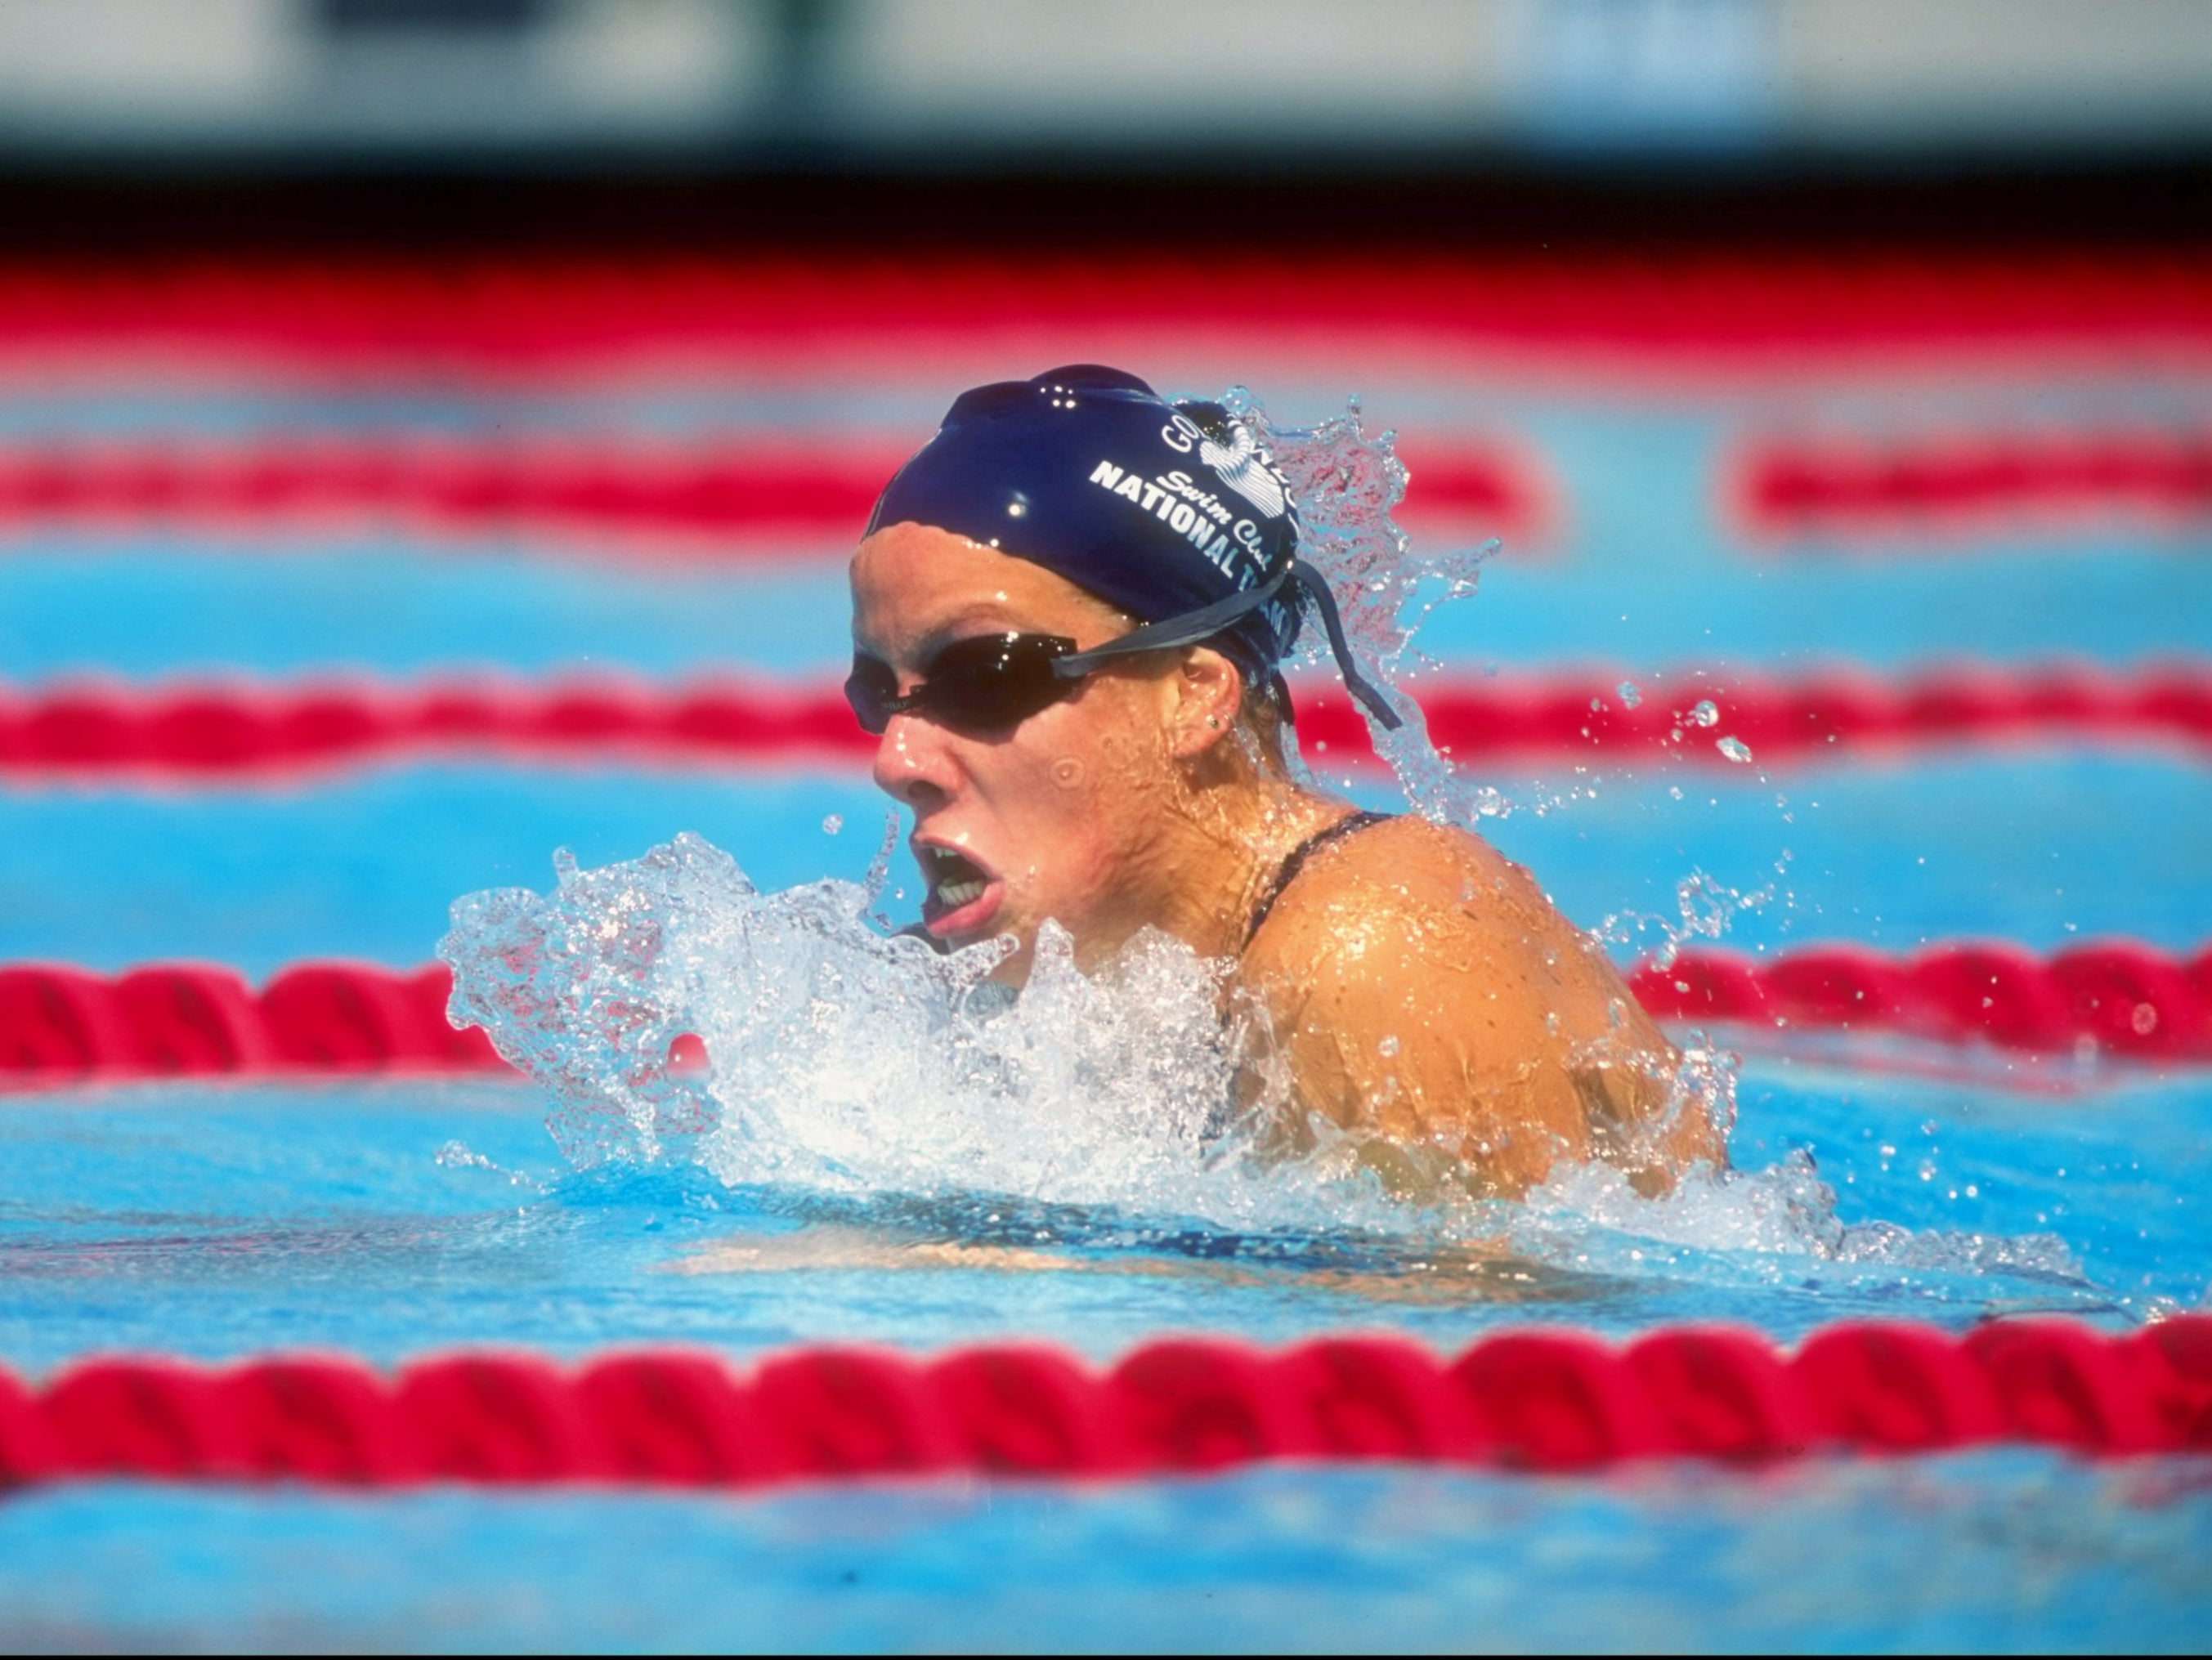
(1208, 691)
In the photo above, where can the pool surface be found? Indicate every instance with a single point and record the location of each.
(392, 1217)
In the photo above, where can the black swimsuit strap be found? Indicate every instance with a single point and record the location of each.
(1287, 872)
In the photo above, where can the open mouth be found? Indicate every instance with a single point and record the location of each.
(956, 882)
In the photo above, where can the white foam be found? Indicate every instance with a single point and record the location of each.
(841, 1061)
(1587, 1214)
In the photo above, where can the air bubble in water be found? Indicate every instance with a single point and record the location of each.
(1630, 697)
(1734, 748)
(833, 823)
(1703, 713)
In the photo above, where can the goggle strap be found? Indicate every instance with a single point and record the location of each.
(1316, 588)
(1194, 628)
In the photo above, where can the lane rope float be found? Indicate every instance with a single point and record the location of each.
(62, 1026)
(501, 317)
(1916, 492)
(728, 498)
(1543, 1401)
(209, 733)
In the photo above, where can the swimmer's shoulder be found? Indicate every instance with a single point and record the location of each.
(1421, 944)
(1407, 912)
(1407, 874)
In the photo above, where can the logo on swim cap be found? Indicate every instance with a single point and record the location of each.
(1248, 470)
(1243, 466)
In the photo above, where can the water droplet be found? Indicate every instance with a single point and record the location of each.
(833, 823)
(1734, 748)
(458, 1155)
(1630, 697)
(1704, 713)
(1388, 1046)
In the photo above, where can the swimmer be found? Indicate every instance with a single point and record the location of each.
(1069, 611)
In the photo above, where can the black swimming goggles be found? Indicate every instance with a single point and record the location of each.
(992, 683)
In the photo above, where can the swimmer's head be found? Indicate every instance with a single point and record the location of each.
(1144, 555)
(1173, 514)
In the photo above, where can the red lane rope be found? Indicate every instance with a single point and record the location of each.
(2126, 999)
(1534, 1401)
(216, 731)
(62, 1026)
(743, 496)
(686, 314)
(1969, 483)
(745, 486)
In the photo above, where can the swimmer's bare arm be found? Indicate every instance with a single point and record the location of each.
(1424, 993)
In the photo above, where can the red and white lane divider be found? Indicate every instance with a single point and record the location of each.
(2124, 998)
(230, 729)
(737, 497)
(744, 496)
(1919, 492)
(1533, 1400)
(914, 315)
(61, 1026)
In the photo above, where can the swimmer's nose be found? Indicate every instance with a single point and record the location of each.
(911, 765)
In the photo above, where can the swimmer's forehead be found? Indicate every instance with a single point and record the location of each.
(987, 616)
(916, 589)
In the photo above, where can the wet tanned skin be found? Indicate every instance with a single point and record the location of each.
(1422, 988)
(1411, 986)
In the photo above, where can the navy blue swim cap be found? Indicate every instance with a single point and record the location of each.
(1170, 512)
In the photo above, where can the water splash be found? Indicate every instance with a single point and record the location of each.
(868, 1082)
(1704, 906)
(840, 1061)
(1758, 1225)
(1347, 481)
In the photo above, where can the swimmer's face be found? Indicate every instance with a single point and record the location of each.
(1051, 817)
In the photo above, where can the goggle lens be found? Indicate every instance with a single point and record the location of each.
(977, 687)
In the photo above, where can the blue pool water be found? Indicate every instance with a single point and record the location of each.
(1995, 844)
(397, 1218)
(2011, 1550)
(391, 1219)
